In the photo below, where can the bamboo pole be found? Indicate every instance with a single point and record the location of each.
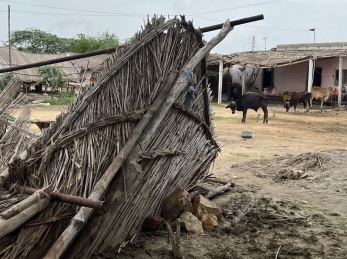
(24, 204)
(77, 223)
(9, 225)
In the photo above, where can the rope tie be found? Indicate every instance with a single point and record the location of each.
(39, 192)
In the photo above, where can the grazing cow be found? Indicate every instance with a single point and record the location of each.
(320, 93)
(250, 101)
(236, 91)
(296, 98)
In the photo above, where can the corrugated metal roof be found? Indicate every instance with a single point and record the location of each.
(70, 69)
(284, 55)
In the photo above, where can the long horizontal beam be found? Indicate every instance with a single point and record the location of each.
(110, 50)
(66, 198)
(233, 23)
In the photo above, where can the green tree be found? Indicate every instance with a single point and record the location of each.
(36, 41)
(50, 74)
(104, 40)
(4, 80)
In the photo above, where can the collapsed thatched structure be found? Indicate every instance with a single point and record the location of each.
(81, 152)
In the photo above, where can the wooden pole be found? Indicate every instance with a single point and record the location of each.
(82, 79)
(24, 204)
(110, 50)
(77, 223)
(9, 225)
(9, 35)
(243, 82)
(220, 81)
(340, 84)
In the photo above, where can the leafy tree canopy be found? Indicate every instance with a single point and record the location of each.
(103, 40)
(36, 41)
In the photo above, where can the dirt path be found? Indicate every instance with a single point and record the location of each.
(43, 113)
(290, 195)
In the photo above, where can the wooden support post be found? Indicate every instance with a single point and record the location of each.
(220, 81)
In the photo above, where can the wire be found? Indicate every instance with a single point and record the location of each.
(233, 8)
(140, 15)
(66, 14)
(69, 9)
(223, 43)
(275, 28)
(126, 14)
(235, 45)
(281, 29)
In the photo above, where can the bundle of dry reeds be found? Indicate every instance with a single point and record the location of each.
(76, 150)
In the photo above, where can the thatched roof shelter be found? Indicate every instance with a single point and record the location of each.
(130, 140)
(283, 55)
(70, 69)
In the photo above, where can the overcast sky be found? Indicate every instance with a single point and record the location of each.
(286, 21)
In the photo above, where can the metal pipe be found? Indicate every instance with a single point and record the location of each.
(76, 200)
(110, 50)
(233, 23)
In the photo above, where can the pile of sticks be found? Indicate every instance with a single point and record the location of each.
(128, 140)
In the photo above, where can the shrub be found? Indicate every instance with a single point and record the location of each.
(61, 99)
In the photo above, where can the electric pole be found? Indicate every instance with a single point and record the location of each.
(9, 36)
(265, 42)
(253, 43)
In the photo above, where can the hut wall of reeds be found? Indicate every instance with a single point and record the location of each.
(75, 151)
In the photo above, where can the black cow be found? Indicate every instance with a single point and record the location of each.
(302, 97)
(250, 101)
(235, 91)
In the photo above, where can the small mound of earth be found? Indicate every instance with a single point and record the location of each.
(288, 207)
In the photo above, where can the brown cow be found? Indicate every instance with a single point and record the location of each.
(320, 93)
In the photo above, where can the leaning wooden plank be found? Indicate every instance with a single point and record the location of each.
(24, 204)
(9, 225)
(77, 223)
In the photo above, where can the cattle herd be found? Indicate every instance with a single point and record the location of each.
(255, 101)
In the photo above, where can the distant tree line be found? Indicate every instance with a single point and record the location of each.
(36, 41)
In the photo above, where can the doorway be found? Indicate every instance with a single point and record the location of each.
(268, 77)
(317, 77)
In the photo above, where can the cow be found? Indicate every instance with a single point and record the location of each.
(320, 93)
(301, 97)
(250, 101)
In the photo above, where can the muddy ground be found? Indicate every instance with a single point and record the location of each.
(290, 195)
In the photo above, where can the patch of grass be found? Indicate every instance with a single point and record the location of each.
(61, 99)
(220, 118)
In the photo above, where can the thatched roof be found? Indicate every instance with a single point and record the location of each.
(283, 55)
(78, 152)
(70, 69)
